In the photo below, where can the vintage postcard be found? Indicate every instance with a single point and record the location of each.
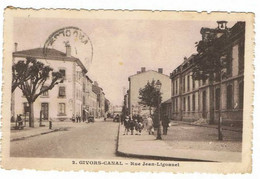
(151, 91)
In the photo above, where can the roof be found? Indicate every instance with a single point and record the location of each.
(39, 53)
(51, 54)
(89, 78)
(146, 72)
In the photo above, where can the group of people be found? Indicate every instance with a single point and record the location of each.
(133, 124)
(137, 123)
(77, 119)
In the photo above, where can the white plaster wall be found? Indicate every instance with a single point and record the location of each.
(140, 80)
(53, 100)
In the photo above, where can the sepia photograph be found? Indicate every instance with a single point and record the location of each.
(127, 91)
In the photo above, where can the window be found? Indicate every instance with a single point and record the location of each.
(188, 82)
(84, 100)
(241, 52)
(241, 95)
(193, 83)
(176, 86)
(229, 97)
(183, 84)
(62, 110)
(176, 105)
(26, 108)
(217, 99)
(184, 104)
(63, 73)
(229, 63)
(78, 75)
(188, 103)
(84, 87)
(193, 102)
(62, 92)
(173, 105)
(46, 93)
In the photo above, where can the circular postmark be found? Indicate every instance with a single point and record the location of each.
(73, 37)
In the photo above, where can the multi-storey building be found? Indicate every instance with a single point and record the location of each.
(100, 109)
(195, 99)
(139, 80)
(66, 98)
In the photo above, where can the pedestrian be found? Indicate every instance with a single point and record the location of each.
(77, 118)
(140, 127)
(149, 125)
(50, 123)
(126, 124)
(73, 118)
(136, 126)
(165, 124)
(131, 125)
(20, 121)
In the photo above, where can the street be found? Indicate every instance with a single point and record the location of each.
(79, 140)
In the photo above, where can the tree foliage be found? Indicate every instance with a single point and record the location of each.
(21, 72)
(212, 58)
(36, 85)
(106, 105)
(149, 95)
(31, 77)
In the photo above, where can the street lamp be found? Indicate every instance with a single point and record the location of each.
(158, 86)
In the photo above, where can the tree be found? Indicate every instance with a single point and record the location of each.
(149, 95)
(211, 60)
(106, 105)
(33, 83)
(21, 72)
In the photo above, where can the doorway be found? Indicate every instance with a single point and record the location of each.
(45, 111)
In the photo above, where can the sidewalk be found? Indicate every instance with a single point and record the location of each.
(178, 145)
(237, 129)
(36, 131)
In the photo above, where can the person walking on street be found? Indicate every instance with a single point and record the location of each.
(165, 124)
(149, 125)
(20, 121)
(77, 118)
(126, 124)
(132, 125)
(73, 118)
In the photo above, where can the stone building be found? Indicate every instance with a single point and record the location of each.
(139, 81)
(89, 98)
(100, 109)
(66, 98)
(193, 99)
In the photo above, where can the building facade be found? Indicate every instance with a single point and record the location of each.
(196, 99)
(100, 105)
(66, 98)
(139, 80)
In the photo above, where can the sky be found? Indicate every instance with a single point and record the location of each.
(120, 47)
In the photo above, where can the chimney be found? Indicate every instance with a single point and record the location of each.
(222, 25)
(160, 70)
(15, 46)
(68, 50)
(95, 83)
(142, 69)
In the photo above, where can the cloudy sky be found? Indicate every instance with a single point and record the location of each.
(120, 47)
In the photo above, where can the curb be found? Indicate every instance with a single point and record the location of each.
(43, 133)
(151, 157)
